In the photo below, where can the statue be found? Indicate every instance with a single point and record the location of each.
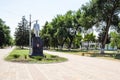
(37, 43)
(36, 29)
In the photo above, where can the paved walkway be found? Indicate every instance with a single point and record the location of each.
(77, 68)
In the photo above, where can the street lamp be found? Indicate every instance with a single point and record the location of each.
(30, 34)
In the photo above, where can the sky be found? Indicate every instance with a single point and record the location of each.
(11, 11)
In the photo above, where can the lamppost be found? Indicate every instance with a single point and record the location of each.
(30, 34)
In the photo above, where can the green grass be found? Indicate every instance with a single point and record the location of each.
(110, 55)
(18, 55)
(72, 51)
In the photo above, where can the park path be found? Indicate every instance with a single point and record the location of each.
(76, 68)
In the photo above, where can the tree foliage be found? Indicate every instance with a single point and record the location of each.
(5, 38)
(106, 11)
(22, 33)
(63, 29)
(115, 39)
(89, 37)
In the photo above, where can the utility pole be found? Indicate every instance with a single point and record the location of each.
(30, 36)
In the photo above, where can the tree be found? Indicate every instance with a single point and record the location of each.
(62, 29)
(48, 34)
(45, 36)
(71, 26)
(115, 39)
(5, 38)
(101, 37)
(106, 11)
(2, 37)
(118, 28)
(22, 33)
(7, 35)
(61, 33)
(88, 38)
(77, 40)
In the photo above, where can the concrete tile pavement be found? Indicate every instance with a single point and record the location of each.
(77, 68)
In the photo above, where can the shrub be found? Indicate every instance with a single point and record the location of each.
(53, 56)
(25, 56)
(16, 55)
(37, 57)
(83, 54)
(117, 56)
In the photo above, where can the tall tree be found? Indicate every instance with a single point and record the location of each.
(104, 11)
(5, 38)
(70, 24)
(45, 37)
(63, 29)
(61, 33)
(77, 40)
(89, 37)
(2, 37)
(22, 33)
(115, 39)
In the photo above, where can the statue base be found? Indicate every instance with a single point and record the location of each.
(37, 47)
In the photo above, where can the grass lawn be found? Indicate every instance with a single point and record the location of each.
(72, 51)
(110, 55)
(19, 55)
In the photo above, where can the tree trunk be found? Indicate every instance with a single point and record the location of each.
(63, 42)
(102, 48)
(71, 40)
(109, 19)
(88, 46)
(106, 35)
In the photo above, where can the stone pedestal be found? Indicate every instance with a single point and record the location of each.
(37, 46)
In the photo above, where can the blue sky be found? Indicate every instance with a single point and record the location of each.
(11, 11)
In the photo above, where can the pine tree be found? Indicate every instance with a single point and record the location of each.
(22, 34)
